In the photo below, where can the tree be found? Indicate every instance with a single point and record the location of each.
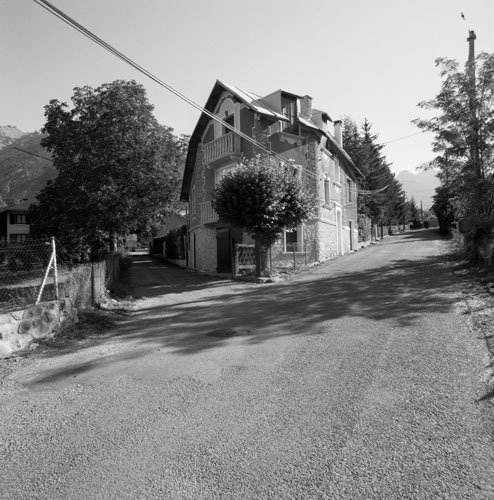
(264, 198)
(443, 208)
(413, 211)
(464, 143)
(383, 199)
(118, 169)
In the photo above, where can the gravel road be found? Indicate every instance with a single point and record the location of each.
(355, 380)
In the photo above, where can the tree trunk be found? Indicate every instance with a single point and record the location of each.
(262, 256)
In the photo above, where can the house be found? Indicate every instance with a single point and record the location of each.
(287, 124)
(14, 223)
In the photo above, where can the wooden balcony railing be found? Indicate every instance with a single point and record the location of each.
(223, 147)
(208, 213)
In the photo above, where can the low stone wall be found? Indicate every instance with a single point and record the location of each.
(19, 329)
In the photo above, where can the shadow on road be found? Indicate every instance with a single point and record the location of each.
(217, 310)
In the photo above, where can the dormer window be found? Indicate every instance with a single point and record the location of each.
(289, 108)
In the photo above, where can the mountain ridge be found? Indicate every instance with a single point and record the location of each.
(421, 186)
(23, 171)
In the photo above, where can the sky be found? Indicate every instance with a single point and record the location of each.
(364, 59)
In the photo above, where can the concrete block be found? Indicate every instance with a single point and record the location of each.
(7, 330)
(41, 328)
(6, 319)
(22, 342)
(5, 350)
(50, 316)
(26, 326)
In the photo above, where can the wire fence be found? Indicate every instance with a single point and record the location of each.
(35, 271)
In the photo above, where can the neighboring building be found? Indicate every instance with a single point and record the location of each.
(287, 124)
(14, 223)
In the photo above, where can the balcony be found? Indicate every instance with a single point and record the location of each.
(226, 147)
(208, 215)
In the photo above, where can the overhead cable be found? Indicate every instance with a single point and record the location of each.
(81, 29)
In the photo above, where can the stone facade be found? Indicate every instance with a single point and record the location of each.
(19, 329)
(288, 125)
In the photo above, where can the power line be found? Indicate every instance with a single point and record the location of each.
(401, 138)
(78, 27)
(81, 29)
(29, 153)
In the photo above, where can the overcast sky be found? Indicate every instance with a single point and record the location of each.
(361, 58)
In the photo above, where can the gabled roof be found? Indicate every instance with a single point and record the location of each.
(248, 98)
(253, 101)
(257, 104)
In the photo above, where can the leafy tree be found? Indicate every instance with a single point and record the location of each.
(443, 208)
(119, 170)
(464, 144)
(264, 198)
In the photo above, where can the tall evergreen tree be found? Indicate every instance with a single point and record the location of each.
(386, 201)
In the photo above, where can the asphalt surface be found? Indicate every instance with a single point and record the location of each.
(355, 380)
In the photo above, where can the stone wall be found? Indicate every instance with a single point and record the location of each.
(205, 247)
(19, 329)
(328, 240)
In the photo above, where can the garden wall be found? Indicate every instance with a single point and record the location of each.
(19, 329)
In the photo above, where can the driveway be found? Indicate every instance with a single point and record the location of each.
(355, 380)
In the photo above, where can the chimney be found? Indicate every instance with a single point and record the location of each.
(338, 132)
(306, 107)
(471, 46)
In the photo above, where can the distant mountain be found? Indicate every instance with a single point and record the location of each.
(8, 134)
(420, 186)
(22, 172)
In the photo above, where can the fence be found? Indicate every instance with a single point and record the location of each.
(290, 258)
(35, 271)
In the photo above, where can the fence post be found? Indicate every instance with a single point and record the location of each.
(45, 277)
(55, 271)
(236, 251)
(92, 284)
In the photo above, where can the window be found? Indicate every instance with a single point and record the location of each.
(19, 219)
(337, 172)
(327, 191)
(18, 237)
(230, 121)
(289, 110)
(293, 241)
(349, 189)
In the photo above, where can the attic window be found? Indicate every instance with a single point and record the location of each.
(289, 108)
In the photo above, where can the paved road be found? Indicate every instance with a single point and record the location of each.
(356, 380)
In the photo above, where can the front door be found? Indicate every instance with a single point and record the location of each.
(223, 250)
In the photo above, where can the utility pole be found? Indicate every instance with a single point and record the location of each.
(472, 91)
